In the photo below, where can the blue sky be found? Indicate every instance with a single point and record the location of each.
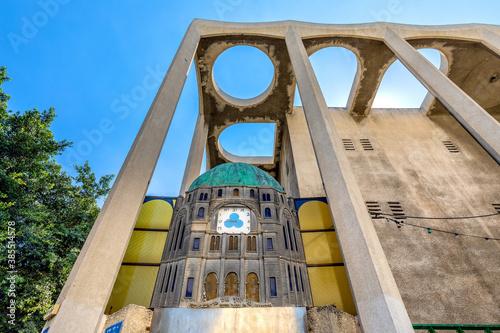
(100, 65)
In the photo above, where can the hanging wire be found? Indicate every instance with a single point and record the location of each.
(435, 218)
(399, 224)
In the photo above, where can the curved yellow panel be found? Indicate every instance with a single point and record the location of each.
(134, 285)
(329, 285)
(315, 215)
(155, 214)
(321, 248)
(145, 247)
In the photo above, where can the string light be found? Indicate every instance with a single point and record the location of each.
(399, 223)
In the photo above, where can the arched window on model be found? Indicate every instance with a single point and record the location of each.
(290, 278)
(301, 280)
(268, 197)
(296, 279)
(251, 243)
(272, 287)
(263, 197)
(236, 192)
(295, 240)
(252, 193)
(201, 212)
(168, 279)
(211, 286)
(205, 196)
(267, 212)
(289, 234)
(189, 287)
(219, 193)
(182, 237)
(214, 243)
(284, 237)
(201, 196)
(231, 285)
(173, 281)
(233, 243)
(252, 287)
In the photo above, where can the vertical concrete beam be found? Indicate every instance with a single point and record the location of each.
(479, 123)
(87, 290)
(195, 158)
(378, 301)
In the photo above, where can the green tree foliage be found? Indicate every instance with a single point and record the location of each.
(49, 214)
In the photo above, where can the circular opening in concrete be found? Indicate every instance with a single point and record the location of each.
(243, 75)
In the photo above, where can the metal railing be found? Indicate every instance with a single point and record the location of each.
(457, 328)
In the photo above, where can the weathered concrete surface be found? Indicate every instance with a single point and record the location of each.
(241, 320)
(482, 126)
(377, 298)
(441, 279)
(329, 319)
(136, 319)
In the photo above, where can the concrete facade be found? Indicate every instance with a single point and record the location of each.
(441, 160)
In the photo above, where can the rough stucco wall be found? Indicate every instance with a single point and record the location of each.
(442, 279)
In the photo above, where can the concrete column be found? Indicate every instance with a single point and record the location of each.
(195, 158)
(376, 295)
(479, 123)
(89, 285)
(491, 40)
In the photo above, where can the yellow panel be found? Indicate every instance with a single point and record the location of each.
(329, 285)
(155, 214)
(321, 248)
(134, 285)
(145, 247)
(315, 215)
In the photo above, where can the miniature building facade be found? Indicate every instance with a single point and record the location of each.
(233, 234)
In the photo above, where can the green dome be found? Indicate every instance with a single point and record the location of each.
(235, 174)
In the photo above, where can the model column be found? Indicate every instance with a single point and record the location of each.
(377, 298)
(89, 285)
(479, 123)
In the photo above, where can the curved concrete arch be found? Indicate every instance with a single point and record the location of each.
(254, 160)
(359, 67)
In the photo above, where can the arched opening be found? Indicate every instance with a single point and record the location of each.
(201, 212)
(236, 192)
(335, 68)
(231, 285)
(252, 287)
(252, 193)
(399, 88)
(219, 193)
(211, 286)
(238, 142)
(267, 212)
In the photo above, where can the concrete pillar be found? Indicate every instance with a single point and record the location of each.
(377, 298)
(491, 40)
(87, 290)
(479, 123)
(195, 158)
